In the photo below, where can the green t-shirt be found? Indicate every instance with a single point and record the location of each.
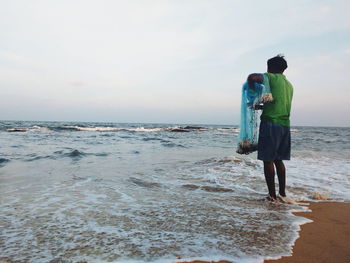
(278, 111)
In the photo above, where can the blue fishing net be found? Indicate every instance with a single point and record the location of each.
(253, 98)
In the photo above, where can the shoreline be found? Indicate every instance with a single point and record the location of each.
(326, 239)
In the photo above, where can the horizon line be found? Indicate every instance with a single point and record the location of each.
(180, 123)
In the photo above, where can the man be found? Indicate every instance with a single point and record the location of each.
(274, 133)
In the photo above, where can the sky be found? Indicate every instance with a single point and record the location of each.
(169, 61)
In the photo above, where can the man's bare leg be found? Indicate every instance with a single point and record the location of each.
(269, 172)
(281, 174)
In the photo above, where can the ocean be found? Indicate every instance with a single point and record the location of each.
(121, 192)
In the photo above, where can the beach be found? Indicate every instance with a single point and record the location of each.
(142, 193)
(325, 240)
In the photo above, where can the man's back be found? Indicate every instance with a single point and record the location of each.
(278, 112)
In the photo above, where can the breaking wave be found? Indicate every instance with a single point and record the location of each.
(30, 129)
(106, 129)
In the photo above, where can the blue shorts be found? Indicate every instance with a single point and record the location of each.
(274, 142)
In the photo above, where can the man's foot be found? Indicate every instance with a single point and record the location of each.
(286, 200)
(282, 193)
(271, 199)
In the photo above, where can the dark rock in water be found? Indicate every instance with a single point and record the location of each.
(17, 130)
(216, 189)
(187, 129)
(206, 188)
(179, 130)
(194, 128)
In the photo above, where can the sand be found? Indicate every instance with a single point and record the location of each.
(325, 240)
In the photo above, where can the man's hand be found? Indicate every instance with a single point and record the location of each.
(258, 107)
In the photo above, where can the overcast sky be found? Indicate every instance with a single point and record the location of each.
(178, 61)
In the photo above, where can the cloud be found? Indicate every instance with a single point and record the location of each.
(77, 83)
(168, 55)
(10, 56)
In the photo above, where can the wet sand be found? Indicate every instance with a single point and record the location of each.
(325, 240)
